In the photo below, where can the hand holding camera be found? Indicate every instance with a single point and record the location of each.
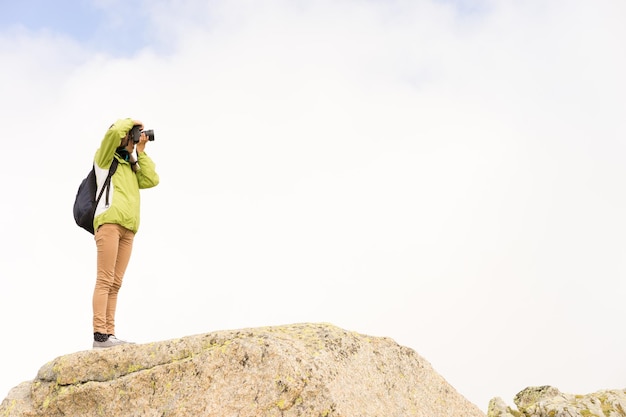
(136, 132)
(140, 136)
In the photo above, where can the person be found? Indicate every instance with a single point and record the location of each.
(116, 221)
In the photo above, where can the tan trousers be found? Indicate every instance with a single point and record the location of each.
(115, 244)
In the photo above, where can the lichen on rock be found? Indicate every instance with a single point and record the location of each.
(547, 401)
(293, 370)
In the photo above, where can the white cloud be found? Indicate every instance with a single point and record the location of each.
(446, 177)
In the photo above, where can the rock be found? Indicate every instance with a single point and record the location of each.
(315, 370)
(498, 408)
(547, 401)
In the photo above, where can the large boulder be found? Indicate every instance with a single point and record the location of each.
(296, 370)
(547, 401)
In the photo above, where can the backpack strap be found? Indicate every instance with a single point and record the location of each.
(107, 182)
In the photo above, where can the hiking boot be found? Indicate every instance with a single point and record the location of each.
(118, 341)
(110, 342)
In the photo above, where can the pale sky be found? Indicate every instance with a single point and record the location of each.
(449, 174)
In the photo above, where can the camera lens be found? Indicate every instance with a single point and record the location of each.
(149, 134)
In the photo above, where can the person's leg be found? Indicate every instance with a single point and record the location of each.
(124, 251)
(107, 243)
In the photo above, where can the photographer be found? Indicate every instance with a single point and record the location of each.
(116, 218)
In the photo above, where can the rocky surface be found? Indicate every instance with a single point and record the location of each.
(297, 370)
(548, 401)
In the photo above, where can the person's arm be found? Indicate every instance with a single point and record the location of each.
(111, 141)
(146, 174)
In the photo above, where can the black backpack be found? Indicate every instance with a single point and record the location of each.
(86, 201)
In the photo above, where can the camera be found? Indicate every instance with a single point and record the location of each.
(135, 133)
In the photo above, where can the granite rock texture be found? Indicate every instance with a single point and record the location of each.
(316, 370)
(547, 401)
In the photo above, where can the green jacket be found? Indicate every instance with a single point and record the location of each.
(123, 207)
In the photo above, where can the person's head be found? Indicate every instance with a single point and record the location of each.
(127, 143)
(126, 148)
